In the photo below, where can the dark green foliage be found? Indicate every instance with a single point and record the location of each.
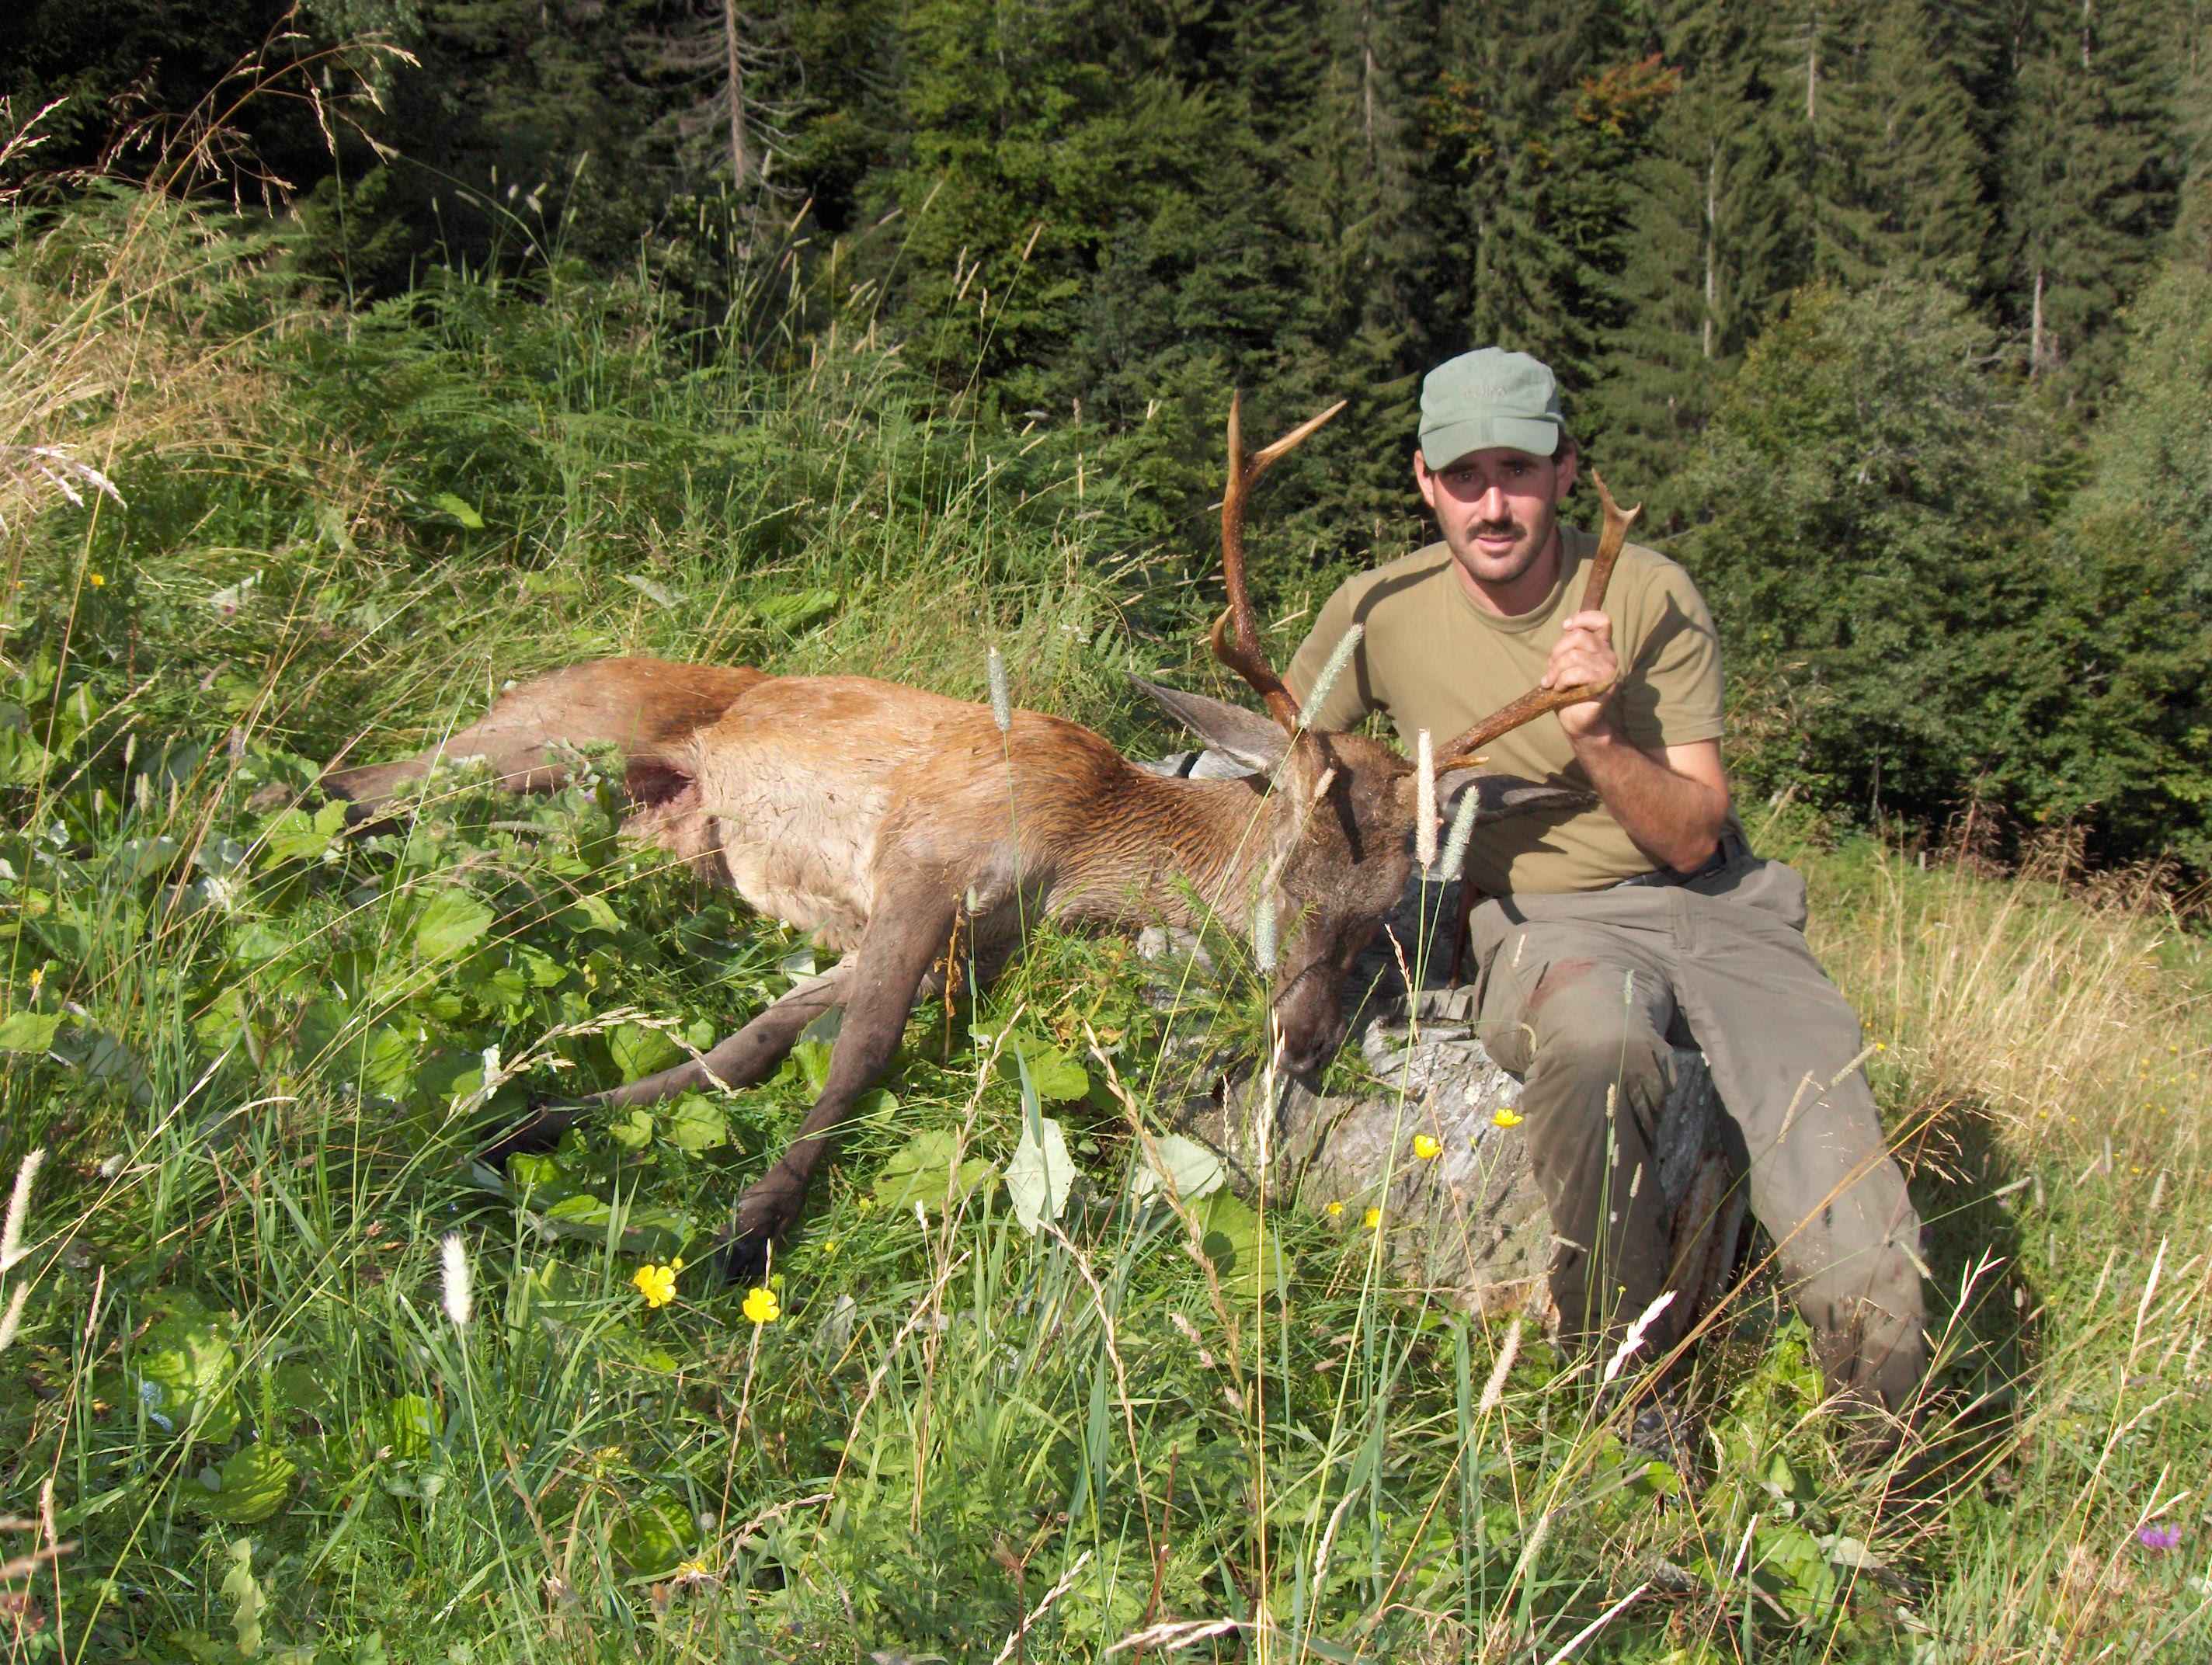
(2137, 542)
(1873, 533)
(1877, 551)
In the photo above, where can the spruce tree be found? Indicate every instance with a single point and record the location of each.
(1713, 249)
(1900, 190)
(2089, 164)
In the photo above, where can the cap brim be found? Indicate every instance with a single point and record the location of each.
(1447, 444)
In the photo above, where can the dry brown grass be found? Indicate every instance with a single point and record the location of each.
(2066, 1018)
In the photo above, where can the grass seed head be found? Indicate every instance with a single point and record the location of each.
(1002, 700)
(1462, 829)
(13, 1317)
(1334, 668)
(459, 1298)
(1425, 807)
(19, 1206)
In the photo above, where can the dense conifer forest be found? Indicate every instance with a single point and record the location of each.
(1898, 315)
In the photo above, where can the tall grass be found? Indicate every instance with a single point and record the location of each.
(254, 1053)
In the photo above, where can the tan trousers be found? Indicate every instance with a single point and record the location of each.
(1578, 993)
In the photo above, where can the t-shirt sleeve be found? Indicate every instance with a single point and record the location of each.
(1346, 698)
(1672, 693)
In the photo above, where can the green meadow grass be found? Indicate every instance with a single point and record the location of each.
(245, 1412)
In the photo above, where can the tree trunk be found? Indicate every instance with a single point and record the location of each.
(740, 162)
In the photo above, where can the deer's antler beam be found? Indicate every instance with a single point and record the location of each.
(1240, 652)
(1538, 700)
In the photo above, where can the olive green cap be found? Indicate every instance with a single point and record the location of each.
(1489, 397)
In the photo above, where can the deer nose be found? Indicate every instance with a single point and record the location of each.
(1308, 1045)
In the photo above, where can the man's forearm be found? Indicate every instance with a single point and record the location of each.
(1675, 820)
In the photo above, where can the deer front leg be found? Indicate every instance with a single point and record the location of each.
(738, 1061)
(905, 936)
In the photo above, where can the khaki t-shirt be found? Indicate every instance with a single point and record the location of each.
(1433, 659)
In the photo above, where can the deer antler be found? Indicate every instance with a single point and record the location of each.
(1242, 655)
(1538, 700)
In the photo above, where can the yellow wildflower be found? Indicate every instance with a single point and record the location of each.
(656, 1283)
(1372, 1219)
(1506, 1117)
(1335, 1211)
(95, 580)
(1426, 1148)
(828, 1247)
(38, 976)
(760, 1307)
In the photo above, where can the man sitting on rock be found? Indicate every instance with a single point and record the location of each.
(1599, 927)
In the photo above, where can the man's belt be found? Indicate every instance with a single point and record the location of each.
(1731, 849)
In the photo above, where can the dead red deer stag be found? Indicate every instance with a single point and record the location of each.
(882, 818)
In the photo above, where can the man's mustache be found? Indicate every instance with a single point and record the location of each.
(1496, 529)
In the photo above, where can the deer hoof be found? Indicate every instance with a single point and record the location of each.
(743, 1258)
(538, 1131)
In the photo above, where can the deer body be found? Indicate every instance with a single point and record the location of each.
(898, 824)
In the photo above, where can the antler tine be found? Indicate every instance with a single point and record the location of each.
(1538, 700)
(1243, 654)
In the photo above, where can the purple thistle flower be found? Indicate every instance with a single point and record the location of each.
(2158, 1539)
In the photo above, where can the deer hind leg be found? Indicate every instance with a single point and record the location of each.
(906, 936)
(515, 737)
(632, 703)
(737, 1060)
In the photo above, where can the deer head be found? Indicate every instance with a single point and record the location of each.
(1340, 809)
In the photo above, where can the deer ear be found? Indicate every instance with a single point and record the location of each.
(1498, 797)
(1252, 740)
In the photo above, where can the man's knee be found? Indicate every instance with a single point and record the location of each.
(1587, 1031)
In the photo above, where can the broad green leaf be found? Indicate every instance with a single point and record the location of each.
(248, 1598)
(460, 508)
(921, 1170)
(302, 1388)
(182, 1370)
(876, 1107)
(453, 920)
(1057, 1077)
(410, 1424)
(633, 1132)
(696, 1126)
(1040, 1174)
(543, 969)
(23, 761)
(1242, 1254)
(639, 1051)
(648, 1231)
(295, 836)
(1789, 1562)
(250, 1485)
(795, 609)
(592, 913)
(658, 593)
(1054, 1073)
(387, 1061)
(812, 1060)
(652, 1536)
(543, 1179)
(1193, 1171)
(28, 1032)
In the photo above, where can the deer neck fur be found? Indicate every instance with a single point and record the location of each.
(1156, 849)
